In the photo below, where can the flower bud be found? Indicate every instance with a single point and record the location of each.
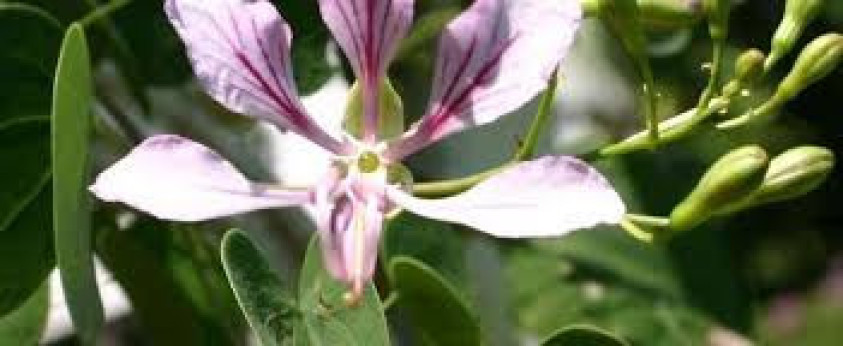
(669, 14)
(718, 18)
(390, 117)
(748, 68)
(817, 60)
(729, 180)
(797, 15)
(794, 173)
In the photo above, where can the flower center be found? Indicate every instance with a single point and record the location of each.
(368, 162)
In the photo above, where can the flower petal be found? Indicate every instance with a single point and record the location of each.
(492, 59)
(349, 233)
(176, 179)
(549, 196)
(368, 32)
(240, 51)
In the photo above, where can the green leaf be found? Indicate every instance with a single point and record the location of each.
(435, 243)
(327, 318)
(435, 306)
(26, 242)
(582, 335)
(24, 142)
(549, 292)
(71, 203)
(25, 325)
(30, 39)
(268, 306)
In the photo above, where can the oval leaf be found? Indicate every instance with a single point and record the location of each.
(267, 305)
(24, 325)
(71, 203)
(582, 335)
(26, 242)
(30, 38)
(433, 303)
(327, 320)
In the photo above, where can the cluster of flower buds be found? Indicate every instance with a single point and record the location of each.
(733, 177)
(797, 15)
(816, 61)
(745, 177)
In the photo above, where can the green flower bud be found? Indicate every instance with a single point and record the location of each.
(391, 120)
(797, 15)
(816, 61)
(729, 180)
(718, 18)
(749, 66)
(794, 173)
(669, 14)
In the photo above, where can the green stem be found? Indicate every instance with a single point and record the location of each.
(390, 301)
(528, 148)
(444, 188)
(526, 151)
(714, 79)
(670, 130)
(651, 221)
(636, 231)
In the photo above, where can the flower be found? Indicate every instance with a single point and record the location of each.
(492, 59)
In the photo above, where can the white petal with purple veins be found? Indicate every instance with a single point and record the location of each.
(549, 196)
(173, 178)
(240, 51)
(492, 59)
(368, 32)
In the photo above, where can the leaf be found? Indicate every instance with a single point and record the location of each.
(268, 306)
(142, 259)
(549, 292)
(26, 252)
(437, 244)
(71, 203)
(326, 318)
(435, 306)
(26, 242)
(30, 39)
(582, 335)
(24, 142)
(24, 326)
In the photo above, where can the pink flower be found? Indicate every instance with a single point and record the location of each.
(493, 58)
